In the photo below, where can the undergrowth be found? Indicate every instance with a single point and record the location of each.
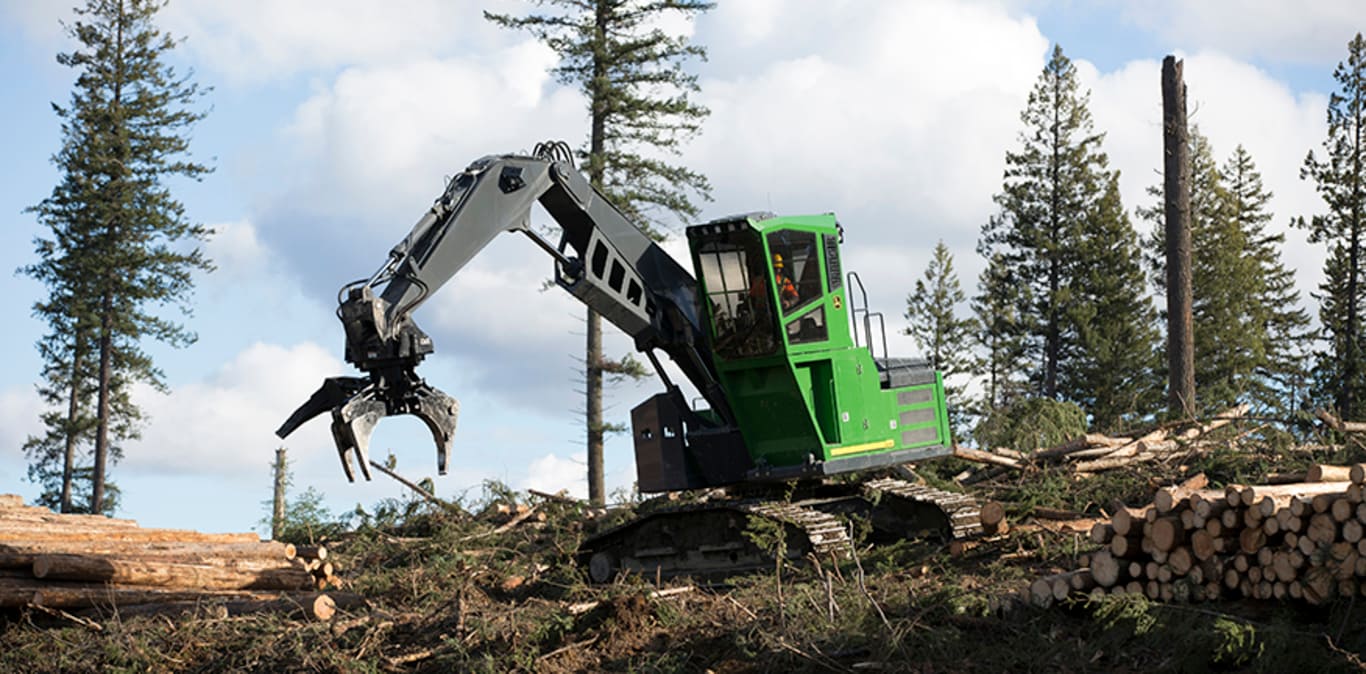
(449, 592)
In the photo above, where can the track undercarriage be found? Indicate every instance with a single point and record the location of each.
(740, 532)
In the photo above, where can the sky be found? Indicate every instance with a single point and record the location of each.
(332, 125)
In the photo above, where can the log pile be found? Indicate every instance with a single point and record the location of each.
(55, 561)
(1095, 453)
(1304, 541)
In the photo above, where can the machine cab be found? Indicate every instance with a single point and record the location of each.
(766, 289)
(811, 399)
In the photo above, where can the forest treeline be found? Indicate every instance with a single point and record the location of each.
(1064, 311)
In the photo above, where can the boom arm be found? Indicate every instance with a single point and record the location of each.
(602, 259)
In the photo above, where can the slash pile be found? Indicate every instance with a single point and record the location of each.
(1304, 541)
(55, 561)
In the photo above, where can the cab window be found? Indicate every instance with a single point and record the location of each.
(796, 269)
(810, 327)
(740, 301)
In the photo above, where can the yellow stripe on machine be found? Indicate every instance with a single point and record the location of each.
(865, 447)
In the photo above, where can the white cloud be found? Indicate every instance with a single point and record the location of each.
(236, 250)
(252, 41)
(224, 425)
(1305, 32)
(380, 138)
(551, 473)
(20, 408)
(1233, 103)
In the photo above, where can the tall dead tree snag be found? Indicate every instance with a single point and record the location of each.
(1176, 190)
(277, 518)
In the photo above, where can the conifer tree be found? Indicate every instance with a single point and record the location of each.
(1226, 352)
(121, 247)
(1275, 316)
(1000, 334)
(1113, 374)
(1340, 178)
(1052, 191)
(1248, 323)
(933, 322)
(641, 112)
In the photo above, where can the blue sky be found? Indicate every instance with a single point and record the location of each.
(333, 124)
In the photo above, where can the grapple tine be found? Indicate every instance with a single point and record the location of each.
(352, 425)
(440, 412)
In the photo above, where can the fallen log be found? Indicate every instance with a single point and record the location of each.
(1339, 425)
(293, 606)
(979, 456)
(1126, 520)
(426, 495)
(992, 515)
(1111, 461)
(18, 593)
(62, 535)
(270, 550)
(1220, 420)
(1168, 498)
(1325, 473)
(1252, 494)
(133, 572)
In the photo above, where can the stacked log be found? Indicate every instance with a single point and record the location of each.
(66, 562)
(1304, 541)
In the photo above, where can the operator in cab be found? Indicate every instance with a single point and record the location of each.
(787, 291)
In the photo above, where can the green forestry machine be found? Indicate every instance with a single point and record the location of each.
(771, 331)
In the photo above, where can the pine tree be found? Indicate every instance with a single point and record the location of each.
(632, 76)
(1249, 328)
(1052, 187)
(933, 322)
(1340, 178)
(1113, 373)
(1328, 374)
(121, 246)
(1000, 334)
(1274, 316)
(1226, 352)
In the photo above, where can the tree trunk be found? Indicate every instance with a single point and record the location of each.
(277, 519)
(597, 491)
(102, 432)
(72, 415)
(1176, 169)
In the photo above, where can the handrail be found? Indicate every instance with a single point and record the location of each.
(859, 305)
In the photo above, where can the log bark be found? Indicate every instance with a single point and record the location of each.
(1338, 425)
(171, 549)
(1110, 463)
(1324, 473)
(63, 535)
(132, 572)
(1169, 498)
(980, 456)
(17, 593)
(1176, 188)
(1254, 493)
